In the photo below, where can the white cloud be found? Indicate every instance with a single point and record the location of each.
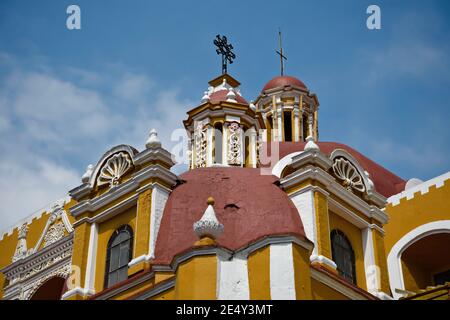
(53, 127)
(412, 49)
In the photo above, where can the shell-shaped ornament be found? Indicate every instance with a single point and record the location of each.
(114, 169)
(351, 179)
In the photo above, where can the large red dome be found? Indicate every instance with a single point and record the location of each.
(250, 206)
(283, 81)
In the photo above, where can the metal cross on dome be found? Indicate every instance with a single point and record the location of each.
(224, 48)
(280, 53)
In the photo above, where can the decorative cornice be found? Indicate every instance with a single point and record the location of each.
(338, 286)
(315, 173)
(27, 274)
(423, 188)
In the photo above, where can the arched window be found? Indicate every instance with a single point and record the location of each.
(118, 256)
(218, 131)
(343, 255)
(287, 120)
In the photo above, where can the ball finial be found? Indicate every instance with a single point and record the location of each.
(210, 201)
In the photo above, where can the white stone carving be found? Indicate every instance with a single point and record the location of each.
(27, 275)
(114, 169)
(231, 96)
(200, 146)
(87, 175)
(153, 140)
(205, 97)
(208, 225)
(54, 233)
(28, 290)
(351, 179)
(234, 144)
(21, 249)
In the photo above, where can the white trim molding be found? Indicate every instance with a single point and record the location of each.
(282, 280)
(394, 257)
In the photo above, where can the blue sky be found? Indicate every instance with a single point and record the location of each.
(68, 96)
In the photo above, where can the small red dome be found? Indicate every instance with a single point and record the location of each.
(221, 95)
(282, 81)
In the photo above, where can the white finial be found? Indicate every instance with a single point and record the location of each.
(21, 248)
(205, 97)
(153, 140)
(208, 225)
(23, 230)
(252, 105)
(371, 184)
(310, 144)
(87, 175)
(231, 96)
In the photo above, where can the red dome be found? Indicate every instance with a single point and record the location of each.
(221, 95)
(249, 205)
(283, 81)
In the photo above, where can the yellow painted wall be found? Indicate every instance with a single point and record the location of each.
(354, 235)
(322, 224)
(409, 214)
(324, 292)
(258, 265)
(105, 231)
(197, 278)
(415, 278)
(302, 272)
(380, 260)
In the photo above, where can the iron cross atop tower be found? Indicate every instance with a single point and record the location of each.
(281, 53)
(224, 48)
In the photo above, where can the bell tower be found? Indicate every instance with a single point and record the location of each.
(289, 110)
(223, 128)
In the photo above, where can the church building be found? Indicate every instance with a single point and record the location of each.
(266, 210)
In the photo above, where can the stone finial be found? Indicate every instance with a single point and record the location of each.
(208, 225)
(371, 185)
(231, 95)
(21, 248)
(205, 97)
(22, 231)
(87, 175)
(153, 140)
(252, 105)
(310, 144)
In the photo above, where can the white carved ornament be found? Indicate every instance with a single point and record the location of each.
(345, 171)
(200, 146)
(21, 248)
(234, 144)
(54, 233)
(114, 169)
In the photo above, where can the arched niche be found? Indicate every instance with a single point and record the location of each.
(52, 289)
(416, 245)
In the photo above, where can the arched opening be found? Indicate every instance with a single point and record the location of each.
(52, 289)
(343, 255)
(269, 125)
(287, 121)
(426, 262)
(305, 126)
(119, 254)
(396, 260)
(218, 132)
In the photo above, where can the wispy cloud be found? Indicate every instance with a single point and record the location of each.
(414, 48)
(52, 126)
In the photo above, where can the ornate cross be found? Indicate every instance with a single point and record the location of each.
(224, 48)
(281, 53)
